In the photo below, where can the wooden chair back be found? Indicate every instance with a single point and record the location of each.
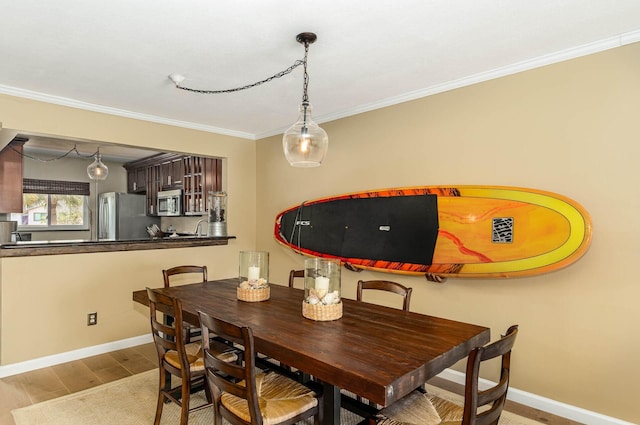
(293, 274)
(173, 359)
(240, 380)
(225, 376)
(496, 396)
(167, 336)
(386, 285)
(166, 274)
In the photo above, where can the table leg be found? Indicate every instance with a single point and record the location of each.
(331, 404)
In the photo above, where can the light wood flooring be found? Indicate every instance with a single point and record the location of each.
(59, 380)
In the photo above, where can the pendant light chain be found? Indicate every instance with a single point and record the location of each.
(305, 97)
(248, 86)
(305, 143)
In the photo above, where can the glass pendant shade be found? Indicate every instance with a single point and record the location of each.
(305, 144)
(97, 170)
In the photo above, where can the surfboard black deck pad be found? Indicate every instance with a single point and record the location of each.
(397, 229)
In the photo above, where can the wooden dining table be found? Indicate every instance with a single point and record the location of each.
(376, 352)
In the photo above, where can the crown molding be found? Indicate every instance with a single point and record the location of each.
(564, 55)
(63, 101)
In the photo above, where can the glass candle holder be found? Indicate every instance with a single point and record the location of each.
(322, 289)
(254, 266)
(254, 276)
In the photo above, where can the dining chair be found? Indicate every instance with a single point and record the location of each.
(293, 274)
(385, 285)
(379, 285)
(178, 270)
(241, 394)
(192, 332)
(426, 409)
(177, 358)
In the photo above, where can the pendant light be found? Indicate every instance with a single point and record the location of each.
(97, 170)
(305, 144)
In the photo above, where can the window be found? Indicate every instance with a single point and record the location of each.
(53, 205)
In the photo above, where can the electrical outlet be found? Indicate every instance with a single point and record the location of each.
(92, 319)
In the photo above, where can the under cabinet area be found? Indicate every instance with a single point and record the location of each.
(196, 176)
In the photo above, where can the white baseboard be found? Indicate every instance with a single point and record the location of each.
(29, 365)
(528, 399)
(554, 407)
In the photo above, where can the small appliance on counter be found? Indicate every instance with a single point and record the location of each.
(217, 206)
(122, 216)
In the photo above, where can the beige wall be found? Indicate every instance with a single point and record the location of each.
(44, 301)
(569, 128)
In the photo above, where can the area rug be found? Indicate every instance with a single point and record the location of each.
(132, 401)
(129, 401)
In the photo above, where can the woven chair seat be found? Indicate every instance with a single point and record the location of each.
(194, 356)
(450, 413)
(482, 407)
(280, 398)
(413, 409)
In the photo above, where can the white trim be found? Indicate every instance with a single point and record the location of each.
(29, 365)
(564, 55)
(548, 405)
(528, 399)
(64, 101)
(587, 49)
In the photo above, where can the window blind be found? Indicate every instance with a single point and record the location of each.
(55, 187)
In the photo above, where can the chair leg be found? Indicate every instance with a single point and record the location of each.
(186, 396)
(160, 403)
(207, 391)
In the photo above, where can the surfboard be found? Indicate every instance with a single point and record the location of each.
(441, 231)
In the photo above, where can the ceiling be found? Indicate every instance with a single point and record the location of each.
(115, 57)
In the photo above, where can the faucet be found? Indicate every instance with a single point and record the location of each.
(197, 231)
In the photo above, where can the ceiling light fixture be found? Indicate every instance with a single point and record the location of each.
(97, 170)
(305, 144)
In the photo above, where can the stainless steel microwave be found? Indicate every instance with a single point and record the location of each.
(170, 202)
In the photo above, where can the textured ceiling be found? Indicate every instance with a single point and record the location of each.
(115, 56)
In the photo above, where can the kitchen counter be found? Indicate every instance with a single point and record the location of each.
(33, 248)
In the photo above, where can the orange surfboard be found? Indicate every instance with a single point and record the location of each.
(441, 231)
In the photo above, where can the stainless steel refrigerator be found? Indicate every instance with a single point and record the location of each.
(122, 216)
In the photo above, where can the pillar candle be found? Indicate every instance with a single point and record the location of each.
(254, 273)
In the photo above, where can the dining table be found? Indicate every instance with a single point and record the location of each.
(376, 352)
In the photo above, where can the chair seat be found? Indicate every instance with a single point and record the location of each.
(413, 409)
(450, 413)
(279, 397)
(194, 356)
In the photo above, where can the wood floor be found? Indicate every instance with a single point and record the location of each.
(55, 381)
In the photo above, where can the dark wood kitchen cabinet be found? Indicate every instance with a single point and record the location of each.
(202, 175)
(137, 179)
(11, 176)
(172, 171)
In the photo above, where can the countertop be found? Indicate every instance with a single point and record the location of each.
(32, 248)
